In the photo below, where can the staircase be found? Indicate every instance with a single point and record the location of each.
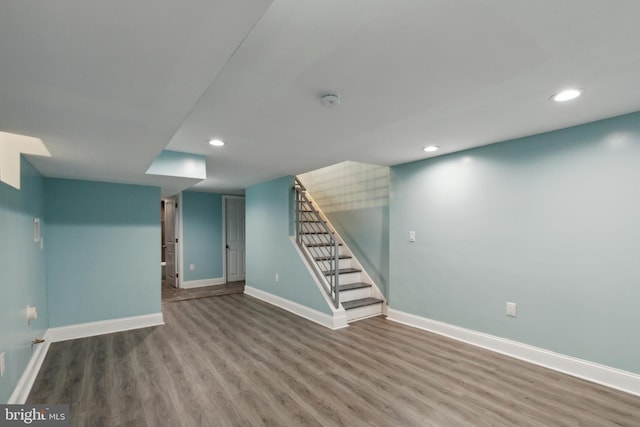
(345, 282)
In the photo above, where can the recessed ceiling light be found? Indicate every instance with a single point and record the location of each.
(216, 142)
(567, 95)
(431, 148)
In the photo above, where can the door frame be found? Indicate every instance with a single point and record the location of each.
(224, 233)
(179, 253)
(177, 231)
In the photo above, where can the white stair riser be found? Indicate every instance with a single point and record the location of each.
(349, 278)
(354, 294)
(326, 265)
(364, 312)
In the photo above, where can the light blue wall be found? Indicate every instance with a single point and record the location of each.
(355, 198)
(23, 266)
(550, 222)
(104, 250)
(366, 233)
(270, 249)
(202, 235)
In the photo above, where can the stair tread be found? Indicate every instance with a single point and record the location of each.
(343, 271)
(329, 258)
(316, 245)
(314, 232)
(352, 286)
(363, 302)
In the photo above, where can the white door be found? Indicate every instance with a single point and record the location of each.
(170, 241)
(234, 224)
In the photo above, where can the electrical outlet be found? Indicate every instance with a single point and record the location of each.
(277, 277)
(192, 267)
(1, 364)
(511, 309)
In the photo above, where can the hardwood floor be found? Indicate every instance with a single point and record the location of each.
(236, 361)
(171, 294)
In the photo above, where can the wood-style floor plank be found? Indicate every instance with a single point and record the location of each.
(236, 361)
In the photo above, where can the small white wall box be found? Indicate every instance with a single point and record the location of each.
(32, 314)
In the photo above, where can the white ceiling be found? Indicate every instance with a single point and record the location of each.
(108, 85)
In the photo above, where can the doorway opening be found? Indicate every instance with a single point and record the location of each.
(169, 260)
(234, 238)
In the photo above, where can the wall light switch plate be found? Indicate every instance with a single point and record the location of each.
(1, 364)
(412, 236)
(277, 277)
(36, 229)
(511, 309)
(192, 267)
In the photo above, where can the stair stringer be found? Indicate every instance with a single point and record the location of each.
(339, 314)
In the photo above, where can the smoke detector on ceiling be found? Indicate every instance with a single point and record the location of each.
(330, 100)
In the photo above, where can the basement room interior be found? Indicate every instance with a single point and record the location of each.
(319, 213)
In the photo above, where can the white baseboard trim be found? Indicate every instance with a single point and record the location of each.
(91, 329)
(23, 388)
(200, 283)
(601, 374)
(337, 321)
